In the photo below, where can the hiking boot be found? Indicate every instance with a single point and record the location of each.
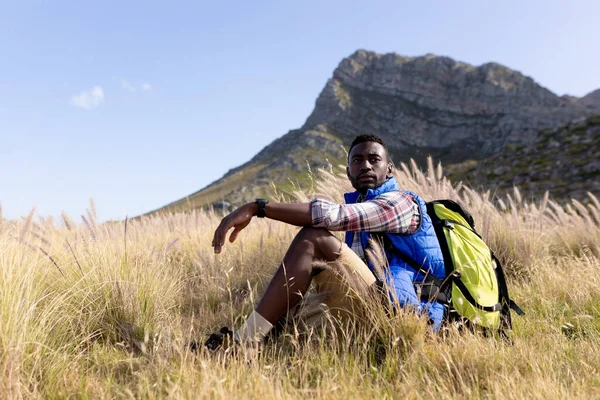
(223, 343)
(224, 338)
(214, 342)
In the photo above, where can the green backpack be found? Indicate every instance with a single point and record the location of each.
(474, 290)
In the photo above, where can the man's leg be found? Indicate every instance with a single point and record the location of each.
(293, 277)
(291, 281)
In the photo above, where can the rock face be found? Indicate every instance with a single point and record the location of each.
(420, 106)
(436, 105)
(591, 101)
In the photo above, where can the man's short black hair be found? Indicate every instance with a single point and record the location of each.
(369, 137)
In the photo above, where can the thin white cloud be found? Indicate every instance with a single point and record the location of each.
(125, 84)
(89, 99)
(134, 87)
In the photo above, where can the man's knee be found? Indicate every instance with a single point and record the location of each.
(321, 241)
(313, 234)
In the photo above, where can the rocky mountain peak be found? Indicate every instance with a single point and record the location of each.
(436, 105)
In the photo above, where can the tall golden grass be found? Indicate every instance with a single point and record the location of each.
(93, 310)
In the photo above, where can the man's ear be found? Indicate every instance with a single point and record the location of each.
(390, 169)
(348, 172)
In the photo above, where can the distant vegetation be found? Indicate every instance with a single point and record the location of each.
(564, 160)
(94, 310)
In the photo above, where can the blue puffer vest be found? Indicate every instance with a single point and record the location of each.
(422, 246)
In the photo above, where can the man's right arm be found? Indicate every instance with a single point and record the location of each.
(298, 214)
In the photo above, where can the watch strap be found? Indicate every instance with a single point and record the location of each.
(262, 207)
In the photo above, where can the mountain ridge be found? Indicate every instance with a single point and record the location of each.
(421, 106)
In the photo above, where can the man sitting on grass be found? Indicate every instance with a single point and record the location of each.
(378, 205)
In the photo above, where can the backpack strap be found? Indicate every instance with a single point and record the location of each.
(513, 306)
(507, 302)
(465, 292)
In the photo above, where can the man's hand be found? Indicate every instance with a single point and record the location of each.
(238, 219)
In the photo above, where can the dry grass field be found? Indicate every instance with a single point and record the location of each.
(92, 310)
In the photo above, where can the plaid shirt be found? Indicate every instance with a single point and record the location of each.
(391, 212)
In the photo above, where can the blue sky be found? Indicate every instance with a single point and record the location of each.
(138, 103)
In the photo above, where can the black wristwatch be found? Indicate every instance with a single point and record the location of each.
(262, 207)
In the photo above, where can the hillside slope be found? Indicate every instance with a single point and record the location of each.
(284, 162)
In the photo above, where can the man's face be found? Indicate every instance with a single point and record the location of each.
(368, 166)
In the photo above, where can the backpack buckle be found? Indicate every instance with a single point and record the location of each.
(448, 224)
(456, 275)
